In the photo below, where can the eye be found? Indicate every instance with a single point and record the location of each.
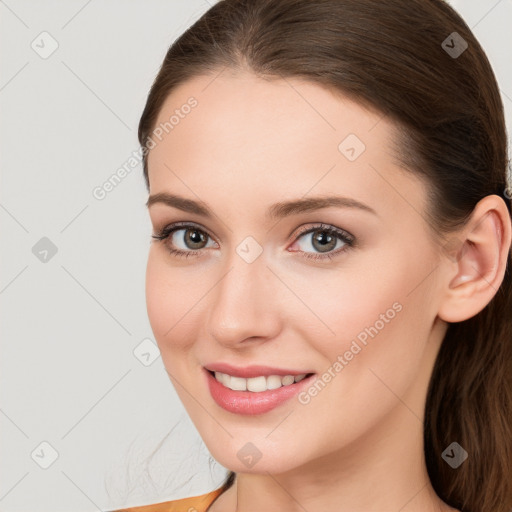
(183, 239)
(328, 240)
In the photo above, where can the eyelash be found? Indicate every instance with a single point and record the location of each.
(342, 235)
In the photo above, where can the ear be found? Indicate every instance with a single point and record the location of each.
(475, 259)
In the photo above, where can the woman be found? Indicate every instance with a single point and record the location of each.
(329, 283)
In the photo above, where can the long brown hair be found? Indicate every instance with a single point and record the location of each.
(401, 58)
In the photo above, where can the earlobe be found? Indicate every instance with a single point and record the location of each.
(476, 272)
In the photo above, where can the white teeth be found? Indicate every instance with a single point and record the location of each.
(274, 382)
(238, 384)
(257, 384)
(288, 379)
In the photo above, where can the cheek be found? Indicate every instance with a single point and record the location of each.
(376, 316)
(158, 300)
(381, 329)
(383, 290)
(168, 301)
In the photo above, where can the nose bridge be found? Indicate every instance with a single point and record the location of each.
(242, 301)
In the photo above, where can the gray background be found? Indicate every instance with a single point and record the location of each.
(79, 367)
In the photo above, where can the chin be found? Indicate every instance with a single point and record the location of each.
(255, 458)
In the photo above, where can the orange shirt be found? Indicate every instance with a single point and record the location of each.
(194, 504)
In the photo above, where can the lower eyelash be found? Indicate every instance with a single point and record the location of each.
(345, 238)
(320, 256)
(182, 254)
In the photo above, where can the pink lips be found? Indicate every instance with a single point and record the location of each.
(248, 402)
(251, 371)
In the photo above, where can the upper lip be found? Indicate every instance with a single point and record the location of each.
(251, 371)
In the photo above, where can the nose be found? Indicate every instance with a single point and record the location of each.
(245, 304)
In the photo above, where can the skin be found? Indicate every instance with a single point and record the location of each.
(251, 143)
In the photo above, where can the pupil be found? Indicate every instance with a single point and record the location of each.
(195, 237)
(325, 241)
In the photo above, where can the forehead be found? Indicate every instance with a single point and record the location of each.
(272, 111)
(280, 136)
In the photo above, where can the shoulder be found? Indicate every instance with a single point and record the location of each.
(193, 504)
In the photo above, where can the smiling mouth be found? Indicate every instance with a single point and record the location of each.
(257, 384)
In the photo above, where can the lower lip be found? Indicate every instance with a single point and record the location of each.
(249, 402)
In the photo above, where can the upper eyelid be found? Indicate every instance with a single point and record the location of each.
(327, 227)
(301, 230)
(175, 226)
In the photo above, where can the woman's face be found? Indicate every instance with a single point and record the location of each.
(262, 283)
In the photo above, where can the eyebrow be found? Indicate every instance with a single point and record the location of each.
(275, 211)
